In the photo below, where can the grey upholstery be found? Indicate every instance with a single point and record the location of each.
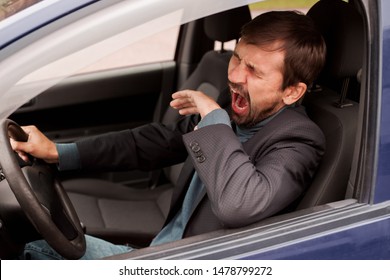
(125, 215)
(118, 213)
(327, 105)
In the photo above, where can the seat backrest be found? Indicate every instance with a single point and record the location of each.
(327, 105)
(210, 76)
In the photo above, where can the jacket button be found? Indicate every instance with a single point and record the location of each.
(195, 148)
(201, 159)
(194, 143)
(198, 154)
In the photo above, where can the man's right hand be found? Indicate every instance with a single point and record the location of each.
(37, 145)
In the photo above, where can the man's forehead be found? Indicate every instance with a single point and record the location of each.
(252, 51)
(261, 58)
(267, 46)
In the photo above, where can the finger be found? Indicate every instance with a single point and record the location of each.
(182, 94)
(188, 111)
(29, 128)
(23, 156)
(20, 147)
(181, 103)
(16, 145)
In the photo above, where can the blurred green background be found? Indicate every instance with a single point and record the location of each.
(283, 4)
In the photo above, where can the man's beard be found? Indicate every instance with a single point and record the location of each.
(255, 115)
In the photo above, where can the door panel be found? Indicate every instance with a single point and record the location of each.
(98, 102)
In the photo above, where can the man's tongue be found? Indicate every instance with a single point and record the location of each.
(240, 104)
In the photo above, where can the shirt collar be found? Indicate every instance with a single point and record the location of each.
(245, 133)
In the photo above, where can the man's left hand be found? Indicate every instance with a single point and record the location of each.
(193, 102)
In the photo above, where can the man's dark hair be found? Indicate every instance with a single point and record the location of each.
(296, 35)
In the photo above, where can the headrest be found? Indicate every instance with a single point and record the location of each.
(342, 28)
(226, 26)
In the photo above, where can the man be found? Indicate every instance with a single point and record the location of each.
(246, 170)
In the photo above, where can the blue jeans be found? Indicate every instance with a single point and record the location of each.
(96, 249)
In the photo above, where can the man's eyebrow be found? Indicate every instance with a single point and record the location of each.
(255, 68)
(250, 65)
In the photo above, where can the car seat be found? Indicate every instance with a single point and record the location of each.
(122, 214)
(327, 103)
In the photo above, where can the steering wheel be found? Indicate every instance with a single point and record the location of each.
(41, 196)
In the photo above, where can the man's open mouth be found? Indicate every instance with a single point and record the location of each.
(240, 104)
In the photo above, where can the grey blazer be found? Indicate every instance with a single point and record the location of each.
(244, 182)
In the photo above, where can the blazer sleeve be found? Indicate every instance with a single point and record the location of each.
(248, 183)
(148, 147)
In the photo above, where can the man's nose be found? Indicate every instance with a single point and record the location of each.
(238, 74)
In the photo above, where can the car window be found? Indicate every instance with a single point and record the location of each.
(155, 48)
(118, 51)
(11, 7)
(48, 71)
(134, 46)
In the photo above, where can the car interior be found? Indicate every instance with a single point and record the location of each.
(103, 203)
(131, 207)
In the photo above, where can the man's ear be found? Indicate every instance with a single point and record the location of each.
(293, 93)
